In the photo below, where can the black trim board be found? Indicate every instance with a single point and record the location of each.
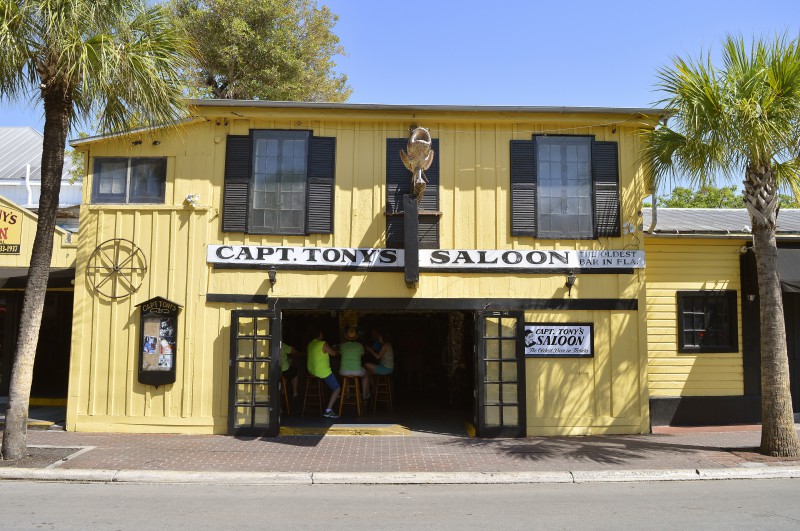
(375, 303)
(237, 299)
(395, 269)
(704, 410)
(455, 304)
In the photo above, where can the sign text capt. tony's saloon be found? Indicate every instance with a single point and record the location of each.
(470, 260)
(570, 340)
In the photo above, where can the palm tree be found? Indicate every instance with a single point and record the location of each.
(109, 59)
(742, 118)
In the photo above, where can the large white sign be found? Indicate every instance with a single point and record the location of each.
(431, 260)
(558, 340)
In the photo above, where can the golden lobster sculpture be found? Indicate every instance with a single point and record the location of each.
(417, 158)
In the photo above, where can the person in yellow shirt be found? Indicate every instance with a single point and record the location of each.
(319, 365)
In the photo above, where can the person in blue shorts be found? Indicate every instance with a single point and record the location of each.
(319, 365)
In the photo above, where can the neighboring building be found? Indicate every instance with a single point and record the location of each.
(201, 247)
(17, 231)
(21, 175)
(703, 314)
(20, 185)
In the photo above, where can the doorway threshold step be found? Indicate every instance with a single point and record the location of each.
(346, 429)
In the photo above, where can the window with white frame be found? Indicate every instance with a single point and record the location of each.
(278, 192)
(564, 187)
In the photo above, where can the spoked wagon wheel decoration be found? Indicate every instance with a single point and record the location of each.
(116, 268)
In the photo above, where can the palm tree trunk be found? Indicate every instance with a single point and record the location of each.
(57, 110)
(778, 434)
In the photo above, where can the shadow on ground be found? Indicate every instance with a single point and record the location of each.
(606, 449)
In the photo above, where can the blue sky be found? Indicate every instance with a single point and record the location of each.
(523, 52)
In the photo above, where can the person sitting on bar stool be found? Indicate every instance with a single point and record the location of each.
(351, 352)
(288, 370)
(319, 365)
(384, 355)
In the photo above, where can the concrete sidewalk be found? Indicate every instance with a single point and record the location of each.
(668, 454)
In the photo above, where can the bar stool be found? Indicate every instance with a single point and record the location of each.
(314, 394)
(382, 392)
(285, 396)
(352, 384)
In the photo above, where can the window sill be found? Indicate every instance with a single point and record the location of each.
(721, 350)
(146, 206)
(437, 213)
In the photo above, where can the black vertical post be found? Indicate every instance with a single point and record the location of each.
(411, 239)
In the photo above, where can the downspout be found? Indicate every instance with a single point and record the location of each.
(28, 184)
(654, 217)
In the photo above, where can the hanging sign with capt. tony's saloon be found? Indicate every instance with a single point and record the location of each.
(158, 341)
(442, 260)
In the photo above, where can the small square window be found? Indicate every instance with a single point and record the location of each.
(129, 180)
(707, 321)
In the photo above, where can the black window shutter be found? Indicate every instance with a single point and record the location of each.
(428, 232)
(398, 183)
(605, 174)
(523, 188)
(236, 189)
(321, 184)
(398, 178)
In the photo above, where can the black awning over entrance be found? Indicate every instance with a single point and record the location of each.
(789, 270)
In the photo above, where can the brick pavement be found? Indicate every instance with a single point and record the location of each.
(433, 453)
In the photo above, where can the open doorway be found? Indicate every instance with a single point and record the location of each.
(433, 380)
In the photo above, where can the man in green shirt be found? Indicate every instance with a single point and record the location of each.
(319, 365)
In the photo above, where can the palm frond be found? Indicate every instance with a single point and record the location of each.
(120, 60)
(743, 114)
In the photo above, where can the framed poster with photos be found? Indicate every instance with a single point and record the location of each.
(158, 341)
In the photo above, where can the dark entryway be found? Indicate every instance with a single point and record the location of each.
(51, 368)
(434, 376)
(789, 270)
(791, 312)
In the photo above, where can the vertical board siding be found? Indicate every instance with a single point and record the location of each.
(585, 396)
(680, 264)
(475, 198)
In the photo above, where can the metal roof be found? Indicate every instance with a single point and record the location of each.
(20, 146)
(633, 112)
(430, 108)
(718, 222)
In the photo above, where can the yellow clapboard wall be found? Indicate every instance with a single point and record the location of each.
(104, 393)
(688, 264)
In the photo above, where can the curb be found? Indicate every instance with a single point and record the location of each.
(388, 478)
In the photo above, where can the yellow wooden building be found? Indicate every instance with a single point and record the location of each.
(519, 305)
(703, 314)
(17, 231)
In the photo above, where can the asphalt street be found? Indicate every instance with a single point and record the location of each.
(733, 504)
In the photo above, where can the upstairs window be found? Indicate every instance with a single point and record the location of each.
(279, 182)
(564, 182)
(278, 189)
(129, 180)
(564, 187)
(707, 321)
